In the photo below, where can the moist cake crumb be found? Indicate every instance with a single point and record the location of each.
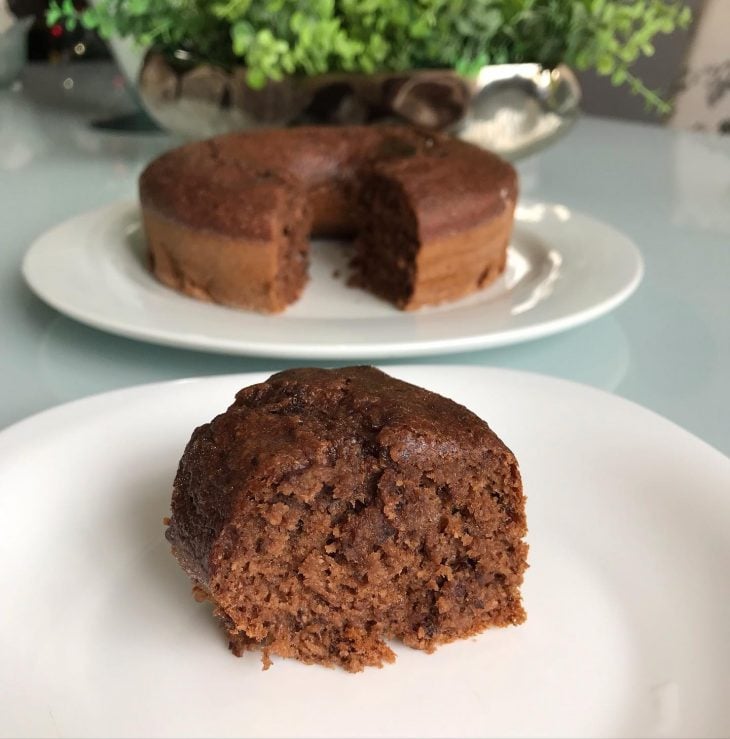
(328, 512)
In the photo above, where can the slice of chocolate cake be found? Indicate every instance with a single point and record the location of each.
(329, 511)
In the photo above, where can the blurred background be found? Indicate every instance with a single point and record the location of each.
(692, 64)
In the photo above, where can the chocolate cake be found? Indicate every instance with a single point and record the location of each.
(229, 219)
(327, 512)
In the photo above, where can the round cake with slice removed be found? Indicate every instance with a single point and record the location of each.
(327, 512)
(229, 219)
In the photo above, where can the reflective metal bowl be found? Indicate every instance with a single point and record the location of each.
(512, 109)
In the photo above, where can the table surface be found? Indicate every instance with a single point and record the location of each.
(667, 348)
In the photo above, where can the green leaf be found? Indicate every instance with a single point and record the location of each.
(53, 15)
(137, 7)
(605, 64)
(243, 35)
(619, 76)
(273, 38)
(89, 19)
(256, 78)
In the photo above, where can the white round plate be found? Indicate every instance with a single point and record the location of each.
(628, 630)
(564, 269)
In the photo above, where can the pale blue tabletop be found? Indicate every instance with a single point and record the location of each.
(667, 348)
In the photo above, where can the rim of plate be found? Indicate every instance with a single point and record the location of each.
(36, 279)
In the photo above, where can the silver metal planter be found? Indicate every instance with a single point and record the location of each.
(512, 109)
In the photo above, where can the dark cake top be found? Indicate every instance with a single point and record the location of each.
(301, 419)
(238, 183)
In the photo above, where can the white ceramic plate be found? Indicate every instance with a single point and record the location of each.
(628, 595)
(564, 269)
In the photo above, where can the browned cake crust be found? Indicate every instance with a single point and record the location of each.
(228, 219)
(328, 511)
